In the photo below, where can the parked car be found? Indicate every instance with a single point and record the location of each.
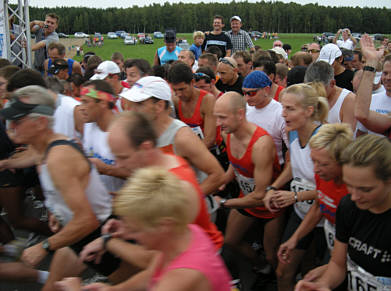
(129, 39)
(119, 32)
(81, 35)
(158, 34)
(141, 37)
(148, 40)
(356, 35)
(378, 36)
(112, 35)
(183, 44)
(62, 35)
(124, 34)
(255, 34)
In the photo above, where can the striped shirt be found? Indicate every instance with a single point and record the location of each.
(240, 41)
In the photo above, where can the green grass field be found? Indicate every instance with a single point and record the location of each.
(147, 51)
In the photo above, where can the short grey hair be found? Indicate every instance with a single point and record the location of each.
(319, 72)
(37, 95)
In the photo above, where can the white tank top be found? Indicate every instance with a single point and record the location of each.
(97, 195)
(302, 172)
(334, 116)
(168, 136)
(96, 146)
(64, 120)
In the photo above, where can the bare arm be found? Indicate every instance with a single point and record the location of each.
(337, 36)
(228, 53)
(189, 146)
(110, 170)
(70, 174)
(207, 106)
(263, 154)
(38, 45)
(156, 61)
(347, 111)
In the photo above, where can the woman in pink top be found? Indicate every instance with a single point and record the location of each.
(155, 212)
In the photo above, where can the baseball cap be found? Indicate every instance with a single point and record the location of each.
(256, 79)
(280, 51)
(146, 88)
(19, 109)
(170, 36)
(104, 69)
(235, 18)
(329, 53)
(57, 66)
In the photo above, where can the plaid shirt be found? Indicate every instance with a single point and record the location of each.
(240, 41)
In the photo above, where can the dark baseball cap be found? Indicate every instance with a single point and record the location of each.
(19, 109)
(170, 36)
(57, 66)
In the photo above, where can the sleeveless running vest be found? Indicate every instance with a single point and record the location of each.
(165, 56)
(96, 193)
(334, 116)
(166, 141)
(244, 172)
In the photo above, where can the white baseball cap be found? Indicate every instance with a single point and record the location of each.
(104, 69)
(235, 18)
(329, 53)
(280, 51)
(146, 88)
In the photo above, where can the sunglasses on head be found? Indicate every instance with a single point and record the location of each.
(250, 93)
(201, 76)
(227, 62)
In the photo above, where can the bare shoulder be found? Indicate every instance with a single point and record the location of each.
(65, 156)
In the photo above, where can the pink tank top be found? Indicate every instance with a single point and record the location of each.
(201, 256)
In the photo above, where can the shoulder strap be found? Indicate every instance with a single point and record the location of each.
(71, 143)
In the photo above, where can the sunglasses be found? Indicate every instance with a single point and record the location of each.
(201, 76)
(314, 51)
(227, 62)
(250, 93)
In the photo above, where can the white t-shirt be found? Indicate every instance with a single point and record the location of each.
(381, 103)
(347, 44)
(270, 119)
(96, 146)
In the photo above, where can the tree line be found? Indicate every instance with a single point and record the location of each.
(261, 16)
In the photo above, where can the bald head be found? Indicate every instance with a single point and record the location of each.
(233, 101)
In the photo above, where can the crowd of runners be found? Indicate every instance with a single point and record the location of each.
(216, 165)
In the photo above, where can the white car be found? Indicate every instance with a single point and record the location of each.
(81, 34)
(129, 39)
(112, 35)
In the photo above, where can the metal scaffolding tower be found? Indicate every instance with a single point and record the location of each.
(21, 31)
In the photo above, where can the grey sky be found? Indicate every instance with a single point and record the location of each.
(127, 3)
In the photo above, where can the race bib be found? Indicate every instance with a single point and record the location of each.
(329, 231)
(361, 280)
(299, 185)
(246, 184)
(198, 131)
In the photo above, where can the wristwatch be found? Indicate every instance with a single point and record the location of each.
(46, 246)
(369, 68)
(106, 237)
(270, 187)
(222, 202)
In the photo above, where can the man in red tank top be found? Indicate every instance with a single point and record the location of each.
(254, 164)
(193, 106)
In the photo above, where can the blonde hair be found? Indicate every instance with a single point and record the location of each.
(334, 138)
(310, 97)
(151, 194)
(370, 151)
(198, 34)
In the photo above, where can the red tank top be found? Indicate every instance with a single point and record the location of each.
(244, 172)
(186, 173)
(329, 195)
(277, 95)
(196, 119)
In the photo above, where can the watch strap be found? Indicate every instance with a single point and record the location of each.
(46, 246)
(369, 68)
(106, 237)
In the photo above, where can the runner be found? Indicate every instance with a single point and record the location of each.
(362, 244)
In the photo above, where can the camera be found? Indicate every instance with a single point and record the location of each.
(45, 26)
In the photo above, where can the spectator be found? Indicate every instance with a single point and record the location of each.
(196, 47)
(56, 51)
(240, 39)
(168, 52)
(218, 38)
(59, 68)
(45, 34)
(347, 42)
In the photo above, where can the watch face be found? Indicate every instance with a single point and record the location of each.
(45, 244)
